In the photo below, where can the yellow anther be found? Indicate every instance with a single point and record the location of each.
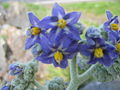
(36, 31)
(118, 46)
(58, 56)
(61, 23)
(114, 26)
(98, 53)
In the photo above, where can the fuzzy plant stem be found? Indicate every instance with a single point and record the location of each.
(77, 80)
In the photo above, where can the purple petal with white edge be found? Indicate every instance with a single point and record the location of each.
(33, 19)
(45, 58)
(113, 37)
(58, 11)
(85, 49)
(31, 41)
(65, 42)
(45, 43)
(63, 64)
(110, 47)
(55, 35)
(107, 24)
(91, 41)
(73, 33)
(49, 22)
(72, 18)
(109, 15)
(106, 60)
(70, 56)
(72, 49)
(92, 60)
(116, 21)
(113, 54)
(99, 41)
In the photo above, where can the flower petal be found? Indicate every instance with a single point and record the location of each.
(109, 15)
(113, 37)
(72, 48)
(72, 18)
(55, 35)
(49, 22)
(65, 42)
(110, 47)
(31, 41)
(73, 33)
(33, 19)
(58, 11)
(106, 60)
(106, 25)
(45, 58)
(63, 64)
(45, 43)
(84, 49)
(92, 60)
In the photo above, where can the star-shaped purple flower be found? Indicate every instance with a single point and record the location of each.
(35, 32)
(112, 24)
(57, 53)
(61, 23)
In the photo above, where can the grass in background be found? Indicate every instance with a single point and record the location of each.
(97, 8)
(5, 5)
(39, 10)
(93, 13)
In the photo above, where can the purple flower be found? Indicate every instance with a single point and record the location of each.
(61, 23)
(35, 31)
(5, 87)
(112, 24)
(97, 49)
(57, 53)
(114, 38)
(15, 69)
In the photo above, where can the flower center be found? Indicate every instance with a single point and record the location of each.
(58, 56)
(61, 23)
(118, 47)
(114, 26)
(98, 52)
(36, 31)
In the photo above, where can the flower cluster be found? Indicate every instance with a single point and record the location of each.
(56, 38)
(97, 48)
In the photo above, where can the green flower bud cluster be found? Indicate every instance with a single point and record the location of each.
(56, 84)
(25, 81)
(104, 74)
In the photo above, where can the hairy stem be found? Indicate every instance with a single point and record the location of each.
(74, 75)
(76, 80)
(87, 74)
(73, 69)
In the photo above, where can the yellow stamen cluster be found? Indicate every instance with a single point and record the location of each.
(114, 26)
(118, 47)
(61, 23)
(98, 53)
(58, 56)
(36, 31)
